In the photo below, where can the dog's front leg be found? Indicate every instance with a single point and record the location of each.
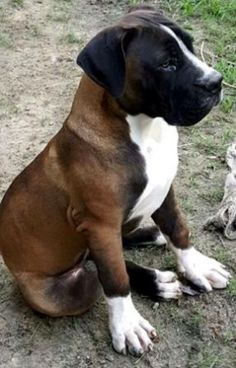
(204, 272)
(128, 328)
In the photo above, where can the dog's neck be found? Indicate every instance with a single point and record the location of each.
(92, 99)
(95, 115)
(97, 118)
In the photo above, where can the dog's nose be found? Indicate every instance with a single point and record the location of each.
(211, 83)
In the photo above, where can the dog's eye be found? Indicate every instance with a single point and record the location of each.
(169, 65)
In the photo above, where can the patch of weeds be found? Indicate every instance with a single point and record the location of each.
(232, 287)
(227, 70)
(61, 11)
(193, 181)
(8, 108)
(209, 9)
(194, 321)
(228, 133)
(227, 136)
(207, 143)
(169, 261)
(17, 3)
(215, 195)
(208, 361)
(57, 17)
(227, 104)
(72, 38)
(188, 7)
(212, 165)
(34, 31)
(189, 321)
(222, 255)
(188, 206)
(134, 2)
(5, 41)
(174, 312)
(228, 336)
(2, 15)
(203, 142)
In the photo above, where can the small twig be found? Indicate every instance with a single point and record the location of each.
(140, 358)
(34, 332)
(214, 362)
(222, 241)
(217, 57)
(201, 51)
(185, 145)
(229, 85)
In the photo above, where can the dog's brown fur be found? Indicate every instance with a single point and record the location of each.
(71, 198)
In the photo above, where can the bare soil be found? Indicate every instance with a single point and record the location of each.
(39, 42)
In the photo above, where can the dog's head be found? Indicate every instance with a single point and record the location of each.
(148, 64)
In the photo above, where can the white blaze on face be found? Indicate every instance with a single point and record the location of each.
(206, 69)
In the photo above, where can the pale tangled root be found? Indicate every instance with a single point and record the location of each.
(225, 218)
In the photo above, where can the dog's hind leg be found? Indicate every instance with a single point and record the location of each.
(144, 237)
(70, 293)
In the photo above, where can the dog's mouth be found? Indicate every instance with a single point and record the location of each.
(190, 115)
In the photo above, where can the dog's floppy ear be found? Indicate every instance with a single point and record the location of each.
(103, 59)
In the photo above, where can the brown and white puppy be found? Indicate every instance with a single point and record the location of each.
(110, 167)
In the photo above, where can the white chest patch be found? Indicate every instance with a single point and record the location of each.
(157, 142)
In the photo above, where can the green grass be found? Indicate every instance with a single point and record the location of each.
(188, 205)
(209, 8)
(194, 321)
(206, 142)
(228, 336)
(227, 70)
(222, 255)
(169, 262)
(5, 41)
(209, 361)
(215, 195)
(72, 38)
(227, 104)
(134, 2)
(35, 31)
(232, 287)
(19, 3)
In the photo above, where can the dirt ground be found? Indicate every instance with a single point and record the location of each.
(39, 42)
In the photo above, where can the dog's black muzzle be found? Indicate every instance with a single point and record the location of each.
(198, 101)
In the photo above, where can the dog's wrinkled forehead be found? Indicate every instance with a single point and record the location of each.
(148, 17)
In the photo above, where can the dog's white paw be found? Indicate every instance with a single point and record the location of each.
(160, 239)
(129, 330)
(204, 272)
(167, 285)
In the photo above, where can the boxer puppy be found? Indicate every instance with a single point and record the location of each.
(110, 167)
